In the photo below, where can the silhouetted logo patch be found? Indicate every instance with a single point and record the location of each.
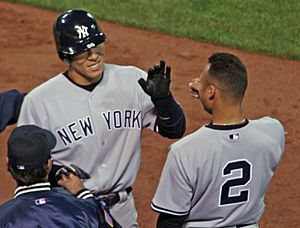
(40, 201)
(234, 136)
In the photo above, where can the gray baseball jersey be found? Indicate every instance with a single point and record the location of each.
(100, 131)
(218, 176)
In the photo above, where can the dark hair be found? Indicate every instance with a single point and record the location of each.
(31, 176)
(230, 72)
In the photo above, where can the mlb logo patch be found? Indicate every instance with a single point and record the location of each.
(234, 136)
(40, 201)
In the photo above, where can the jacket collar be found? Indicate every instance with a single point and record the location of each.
(32, 188)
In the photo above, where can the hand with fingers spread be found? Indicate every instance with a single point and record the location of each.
(157, 85)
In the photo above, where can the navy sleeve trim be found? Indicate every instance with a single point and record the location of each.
(167, 211)
(170, 221)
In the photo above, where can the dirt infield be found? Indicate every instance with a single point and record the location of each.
(28, 58)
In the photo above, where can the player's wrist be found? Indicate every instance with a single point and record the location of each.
(166, 107)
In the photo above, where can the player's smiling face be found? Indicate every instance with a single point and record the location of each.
(87, 68)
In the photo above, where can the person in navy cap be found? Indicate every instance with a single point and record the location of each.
(35, 204)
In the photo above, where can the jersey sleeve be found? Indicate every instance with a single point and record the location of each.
(28, 114)
(174, 192)
(279, 136)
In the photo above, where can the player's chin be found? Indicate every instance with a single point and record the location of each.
(94, 76)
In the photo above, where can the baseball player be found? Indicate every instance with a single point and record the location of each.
(97, 112)
(36, 204)
(10, 105)
(218, 175)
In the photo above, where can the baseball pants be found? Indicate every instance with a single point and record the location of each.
(125, 213)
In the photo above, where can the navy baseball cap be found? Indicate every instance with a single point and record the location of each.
(29, 147)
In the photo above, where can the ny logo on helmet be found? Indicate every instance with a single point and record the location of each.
(82, 31)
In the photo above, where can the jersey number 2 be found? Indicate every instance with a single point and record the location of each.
(242, 195)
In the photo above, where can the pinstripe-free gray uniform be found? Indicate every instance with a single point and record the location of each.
(100, 131)
(219, 174)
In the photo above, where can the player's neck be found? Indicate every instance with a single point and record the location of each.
(229, 116)
(231, 122)
(83, 80)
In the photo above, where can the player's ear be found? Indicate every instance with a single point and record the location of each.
(211, 91)
(49, 163)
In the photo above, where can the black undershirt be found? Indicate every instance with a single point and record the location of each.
(90, 87)
(227, 127)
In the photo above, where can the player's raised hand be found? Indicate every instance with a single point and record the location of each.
(157, 85)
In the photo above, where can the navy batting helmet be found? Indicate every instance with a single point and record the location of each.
(76, 31)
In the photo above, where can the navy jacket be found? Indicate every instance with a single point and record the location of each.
(40, 206)
(10, 106)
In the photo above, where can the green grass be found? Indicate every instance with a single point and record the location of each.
(270, 27)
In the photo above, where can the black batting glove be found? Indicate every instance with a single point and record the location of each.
(158, 81)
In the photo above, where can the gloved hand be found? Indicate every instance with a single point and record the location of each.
(72, 168)
(158, 81)
(71, 183)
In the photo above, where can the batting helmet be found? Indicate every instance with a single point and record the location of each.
(75, 32)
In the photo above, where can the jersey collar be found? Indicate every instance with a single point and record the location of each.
(227, 127)
(89, 88)
(32, 188)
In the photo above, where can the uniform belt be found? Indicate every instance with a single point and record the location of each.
(113, 198)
